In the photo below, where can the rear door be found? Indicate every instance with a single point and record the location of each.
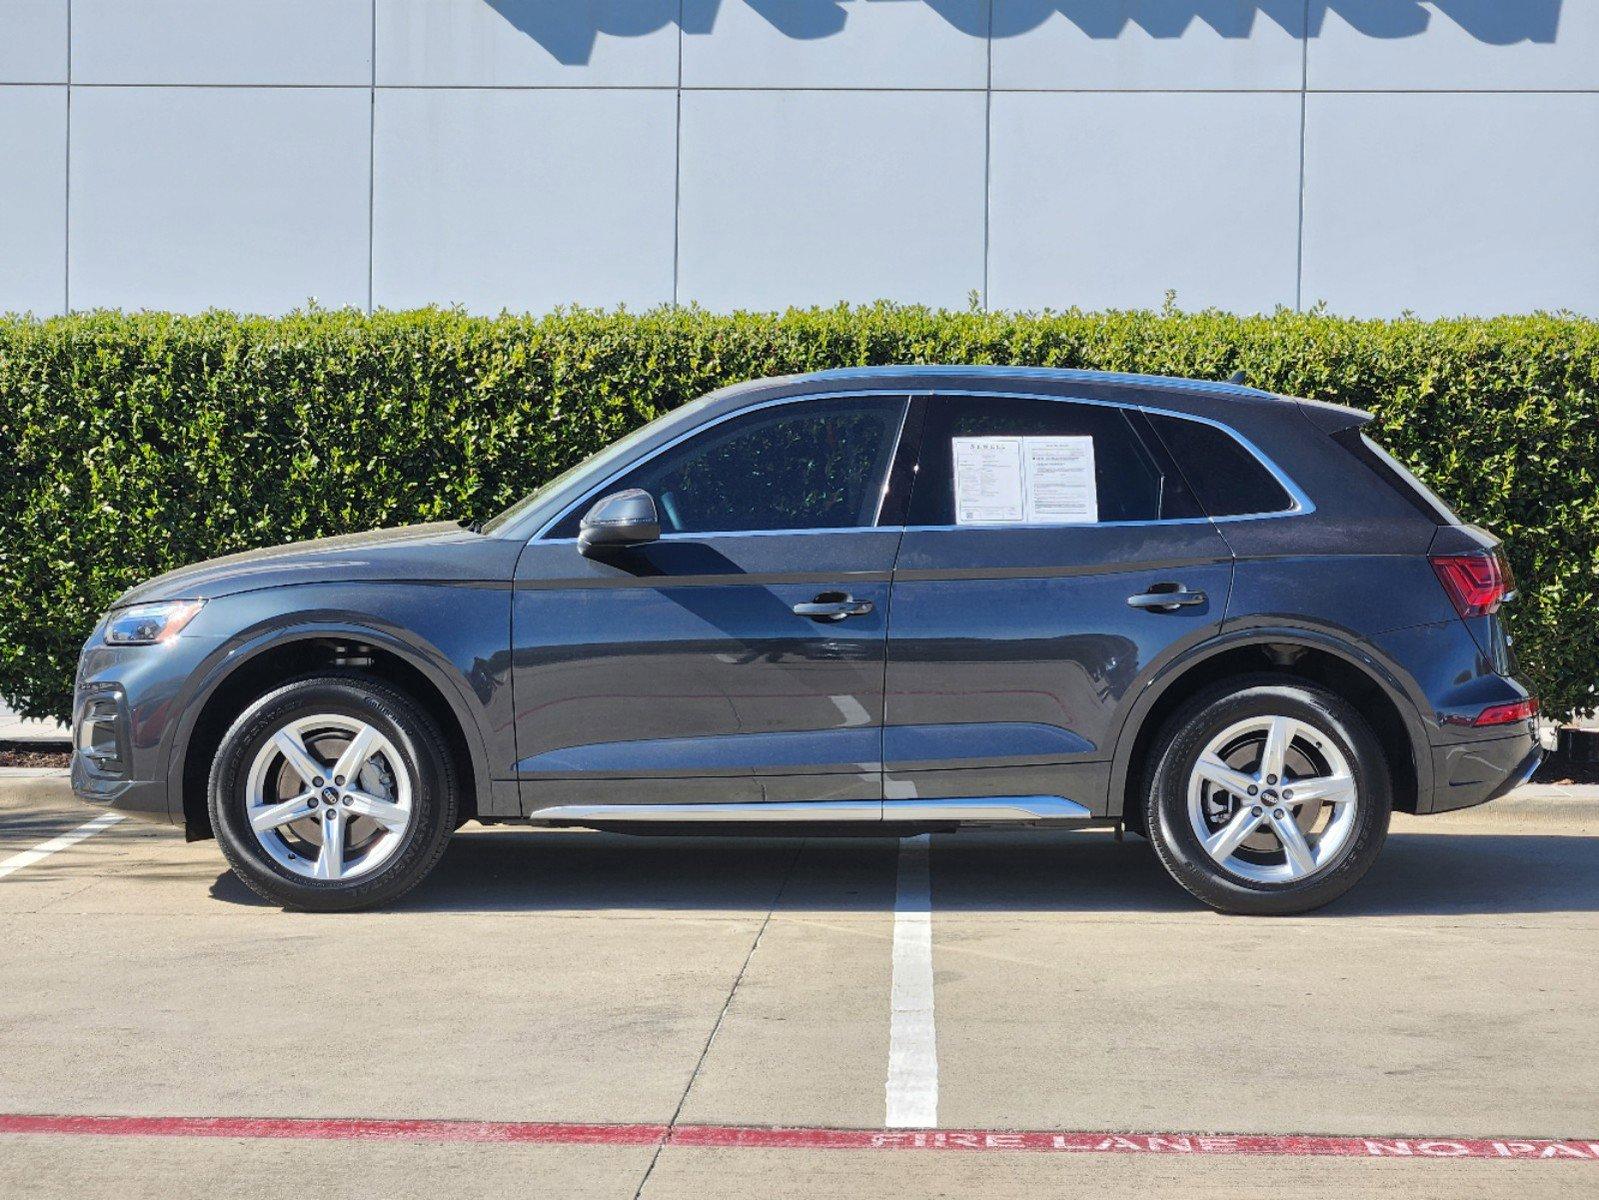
(1051, 553)
(739, 659)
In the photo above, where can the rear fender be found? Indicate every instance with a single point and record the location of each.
(1394, 683)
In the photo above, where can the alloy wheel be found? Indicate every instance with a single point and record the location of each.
(1272, 799)
(328, 797)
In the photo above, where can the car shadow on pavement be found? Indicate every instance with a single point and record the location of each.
(1419, 874)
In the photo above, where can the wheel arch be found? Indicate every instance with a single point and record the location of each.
(1296, 653)
(246, 669)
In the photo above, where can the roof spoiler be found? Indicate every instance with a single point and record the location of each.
(1332, 418)
(1329, 418)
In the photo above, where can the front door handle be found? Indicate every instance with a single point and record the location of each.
(1166, 597)
(833, 606)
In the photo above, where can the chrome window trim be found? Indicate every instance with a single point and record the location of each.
(743, 533)
(1300, 503)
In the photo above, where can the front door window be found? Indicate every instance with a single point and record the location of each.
(815, 464)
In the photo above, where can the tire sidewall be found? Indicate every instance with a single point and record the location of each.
(414, 737)
(1167, 804)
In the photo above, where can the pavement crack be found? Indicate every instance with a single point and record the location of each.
(721, 1016)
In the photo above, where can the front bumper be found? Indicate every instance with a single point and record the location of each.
(123, 713)
(137, 798)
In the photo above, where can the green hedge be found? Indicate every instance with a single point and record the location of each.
(135, 443)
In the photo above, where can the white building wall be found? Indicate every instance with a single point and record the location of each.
(1438, 156)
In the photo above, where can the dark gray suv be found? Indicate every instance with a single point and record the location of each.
(885, 600)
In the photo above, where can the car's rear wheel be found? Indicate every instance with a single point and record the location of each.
(1268, 796)
(332, 793)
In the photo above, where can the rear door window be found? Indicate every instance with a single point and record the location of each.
(1001, 460)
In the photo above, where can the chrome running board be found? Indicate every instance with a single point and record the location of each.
(982, 808)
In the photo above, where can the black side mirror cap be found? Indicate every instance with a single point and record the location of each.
(621, 519)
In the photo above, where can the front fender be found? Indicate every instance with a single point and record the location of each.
(466, 699)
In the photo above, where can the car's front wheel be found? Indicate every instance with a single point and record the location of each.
(332, 793)
(1268, 796)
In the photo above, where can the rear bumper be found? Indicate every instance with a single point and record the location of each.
(1453, 683)
(1475, 772)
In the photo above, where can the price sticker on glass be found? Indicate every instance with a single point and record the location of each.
(1025, 481)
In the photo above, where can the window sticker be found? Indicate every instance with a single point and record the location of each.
(1024, 480)
(988, 480)
(1059, 480)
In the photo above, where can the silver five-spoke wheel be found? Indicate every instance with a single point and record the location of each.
(328, 797)
(1272, 799)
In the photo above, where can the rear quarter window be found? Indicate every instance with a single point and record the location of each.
(1227, 478)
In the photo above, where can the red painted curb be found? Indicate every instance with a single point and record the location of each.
(564, 1133)
(337, 1129)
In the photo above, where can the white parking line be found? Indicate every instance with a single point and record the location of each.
(912, 1089)
(71, 838)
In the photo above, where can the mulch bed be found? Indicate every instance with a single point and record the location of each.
(1558, 770)
(18, 756)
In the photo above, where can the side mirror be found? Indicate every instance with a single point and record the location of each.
(620, 519)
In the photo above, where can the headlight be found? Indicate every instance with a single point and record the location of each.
(145, 624)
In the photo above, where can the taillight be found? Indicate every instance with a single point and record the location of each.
(1477, 583)
(1508, 714)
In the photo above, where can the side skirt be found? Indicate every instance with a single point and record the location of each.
(979, 810)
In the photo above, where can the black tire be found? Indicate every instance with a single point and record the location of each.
(420, 748)
(1206, 716)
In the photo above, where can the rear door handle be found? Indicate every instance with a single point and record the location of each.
(1166, 597)
(833, 606)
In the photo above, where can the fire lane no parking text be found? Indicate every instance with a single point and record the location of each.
(756, 1137)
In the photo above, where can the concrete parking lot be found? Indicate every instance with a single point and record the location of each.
(577, 1014)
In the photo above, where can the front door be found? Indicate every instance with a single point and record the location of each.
(1043, 539)
(740, 658)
